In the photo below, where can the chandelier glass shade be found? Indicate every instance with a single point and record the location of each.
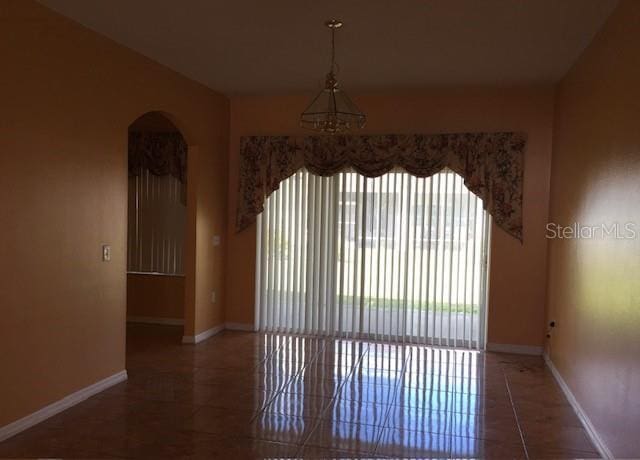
(332, 111)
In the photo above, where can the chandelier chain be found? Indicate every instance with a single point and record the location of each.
(333, 49)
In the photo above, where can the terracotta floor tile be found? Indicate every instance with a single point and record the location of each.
(342, 410)
(315, 371)
(249, 395)
(39, 443)
(419, 419)
(341, 436)
(282, 428)
(435, 382)
(413, 444)
(463, 447)
(298, 405)
(543, 393)
(375, 394)
(98, 407)
(382, 363)
(215, 420)
(167, 444)
(205, 447)
(197, 394)
(254, 448)
(552, 437)
(554, 415)
(433, 400)
(496, 426)
(318, 389)
(324, 453)
(378, 375)
(158, 413)
(253, 400)
(558, 453)
(332, 384)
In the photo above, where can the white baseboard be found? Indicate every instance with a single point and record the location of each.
(156, 320)
(597, 441)
(54, 408)
(240, 327)
(516, 349)
(203, 335)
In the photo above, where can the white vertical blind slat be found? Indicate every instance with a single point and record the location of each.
(427, 283)
(420, 281)
(343, 254)
(271, 305)
(356, 266)
(436, 266)
(405, 295)
(473, 268)
(322, 247)
(450, 287)
(363, 256)
(445, 211)
(308, 291)
(279, 256)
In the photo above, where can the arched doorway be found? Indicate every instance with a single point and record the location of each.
(157, 226)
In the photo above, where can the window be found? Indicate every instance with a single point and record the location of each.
(156, 218)
(397, 257)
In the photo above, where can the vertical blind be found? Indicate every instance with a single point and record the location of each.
(156, 224)
(395, 258)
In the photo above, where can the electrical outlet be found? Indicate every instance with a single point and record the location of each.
(106, 253)
(213, 296)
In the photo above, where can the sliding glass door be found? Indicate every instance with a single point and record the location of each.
(394, 258)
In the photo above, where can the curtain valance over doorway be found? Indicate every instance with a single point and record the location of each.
(492, 165)
(161, 153)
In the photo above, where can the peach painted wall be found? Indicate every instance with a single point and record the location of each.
(594, 285)
(155, 296)
(517, 277)
(68, 96)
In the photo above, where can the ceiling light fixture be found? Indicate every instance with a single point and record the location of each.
(332, 111)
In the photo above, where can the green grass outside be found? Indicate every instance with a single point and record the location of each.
(388, 304)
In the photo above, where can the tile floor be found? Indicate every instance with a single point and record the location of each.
(244, 395)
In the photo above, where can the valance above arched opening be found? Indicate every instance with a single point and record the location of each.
(492, 165)
(161, 153)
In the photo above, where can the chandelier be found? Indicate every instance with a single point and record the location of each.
(332, 111)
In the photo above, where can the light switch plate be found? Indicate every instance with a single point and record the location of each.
(106, 253)
(216, 240)
(213, 296)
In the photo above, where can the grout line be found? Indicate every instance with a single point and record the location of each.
(319, 418)
(333, 398)
(515, 414)
(390, 404)
(279, 389)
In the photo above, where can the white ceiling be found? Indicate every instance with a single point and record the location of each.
(267, 46)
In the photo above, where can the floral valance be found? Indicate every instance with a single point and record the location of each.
(492, 165)
(160, 153)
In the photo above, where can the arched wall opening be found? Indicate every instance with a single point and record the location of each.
(159, 230)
